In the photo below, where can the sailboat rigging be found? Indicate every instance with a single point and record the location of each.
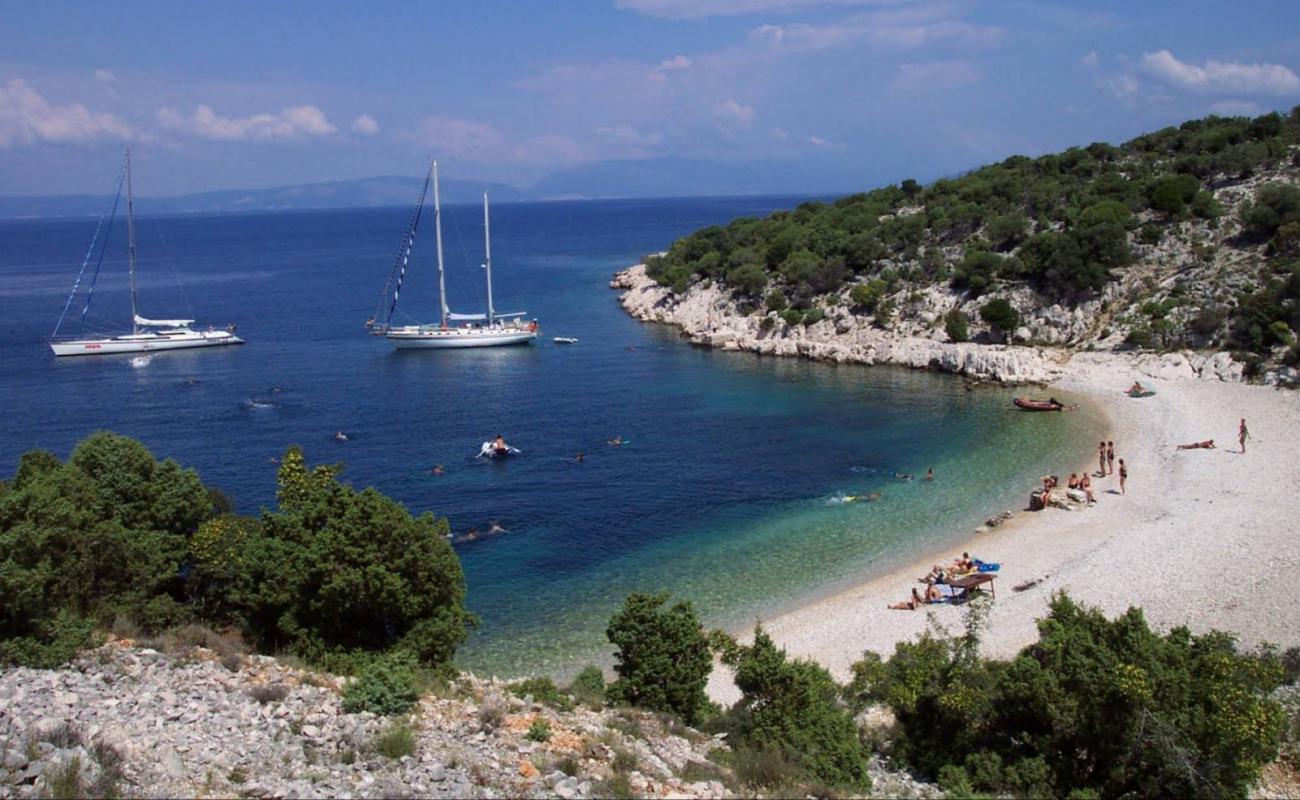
(492, 329)
(147, 335)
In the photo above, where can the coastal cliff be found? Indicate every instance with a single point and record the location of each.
(710, 316)
(1182, 241)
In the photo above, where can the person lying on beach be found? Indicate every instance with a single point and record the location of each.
(1136, 388)
(909, 605)
(937, 574)
(1208, 444)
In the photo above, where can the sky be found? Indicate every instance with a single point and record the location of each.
(823, 95)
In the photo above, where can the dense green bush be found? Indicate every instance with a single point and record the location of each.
(81, 543)
(662, 660)
(1275, 205)
(956, 325)
(542, 690)
(387, 685)
(333, 574)
(1000, 315)
(792, 707)
(1096, 705)
(589, 686)
(776, 301)
(976, 271)
(867, 295)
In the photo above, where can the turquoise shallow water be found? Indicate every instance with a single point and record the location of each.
(725, 494)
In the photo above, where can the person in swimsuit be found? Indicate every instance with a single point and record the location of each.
(1123, 475)
(913, 604)
(580, 456)
(1101, 459)
(499, 445)
(1085, 483)
(1243, 433)
(1208, 444)
(929, 474)
(438, 469)
(1073, 482)
(1110, 457)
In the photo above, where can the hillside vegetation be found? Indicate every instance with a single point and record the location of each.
(1186, 237)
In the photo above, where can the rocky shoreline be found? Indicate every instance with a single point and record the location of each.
(128, 721)
(708, 315)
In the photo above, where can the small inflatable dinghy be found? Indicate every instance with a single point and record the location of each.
(488, 451)
(565, 340)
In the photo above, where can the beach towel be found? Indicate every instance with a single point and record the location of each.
(984, 566)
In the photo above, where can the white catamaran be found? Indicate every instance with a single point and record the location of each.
(147, 335)
(492, 329)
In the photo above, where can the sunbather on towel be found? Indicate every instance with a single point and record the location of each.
(910, 605)
(1208, 444)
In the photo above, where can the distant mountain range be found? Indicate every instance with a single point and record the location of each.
(659, 177)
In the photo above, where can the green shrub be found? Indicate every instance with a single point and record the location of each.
(977, 270)
(813, 315)
(956, 326)
(539, 731)
(589, 687)
(542, 690)
(792, 316)
(791, 707)
(388, 685)
(1096, 705)
(395, 741)
(662, 659)
(867, 296)
(776, 301)
(1000, 315)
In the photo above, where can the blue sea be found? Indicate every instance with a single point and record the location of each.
(729, 491)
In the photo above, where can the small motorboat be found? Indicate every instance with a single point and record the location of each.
(565, 340)
(1029, 404)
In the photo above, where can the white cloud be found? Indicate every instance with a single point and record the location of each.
(935, 75)
(881, 31)
(291, 123)
(1090, 60)
(1123, 86)
(28, 118)
(734, 115)
(104, 76)
(365, 125)
(674, 63)
(1236, 108)
(1220, 76)
(818, 141)
(462, 138)
(628, 135)
(699, 9)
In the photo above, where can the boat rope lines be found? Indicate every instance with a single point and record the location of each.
(398, 270)
(90, 292)
(171, 263)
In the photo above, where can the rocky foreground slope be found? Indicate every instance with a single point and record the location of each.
(134, 722)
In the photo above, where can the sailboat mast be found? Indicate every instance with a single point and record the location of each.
(130, 239)
(437, 235)
(487, 263)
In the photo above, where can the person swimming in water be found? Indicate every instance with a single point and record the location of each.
(580, 456)
(495, 528)
(929, 474)
(438, 469)
(616, 441)
(340, 437)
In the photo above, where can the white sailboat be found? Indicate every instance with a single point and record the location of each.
(453, 330)
(147, 335)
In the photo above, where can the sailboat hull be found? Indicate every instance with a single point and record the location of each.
(144, 343)
(421, 338)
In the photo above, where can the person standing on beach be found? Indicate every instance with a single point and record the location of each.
(1123, 475)
(1242, 435)
(1101, 459)
(1110, 457)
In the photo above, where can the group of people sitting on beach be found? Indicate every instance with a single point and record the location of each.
(1079, 485)
(938, 582)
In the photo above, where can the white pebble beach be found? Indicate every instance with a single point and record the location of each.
(1205, 538)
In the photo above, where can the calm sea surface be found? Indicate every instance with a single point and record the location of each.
(728, 493)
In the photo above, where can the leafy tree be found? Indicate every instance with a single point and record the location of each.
(793, 706)
(867, 295)
(1000, 314)
(1171, 193)
(663, 659)
(1275, 205)
(349, 571)
(1005, 231)
(776, 301)
(977, 270)
(748, 279)
(1106, 707)
(955, 325)
(792, 316)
